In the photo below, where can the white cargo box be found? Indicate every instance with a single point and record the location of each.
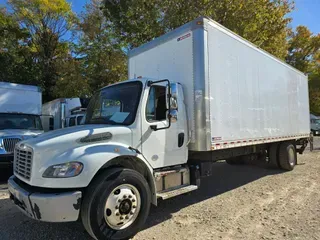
(236, 94)
(19, 98)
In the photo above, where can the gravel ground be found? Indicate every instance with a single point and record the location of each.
(237, 202)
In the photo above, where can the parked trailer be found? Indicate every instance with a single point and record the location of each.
(197, 95)
(20, 110)
(63, 112)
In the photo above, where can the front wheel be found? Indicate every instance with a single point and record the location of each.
(116, 204)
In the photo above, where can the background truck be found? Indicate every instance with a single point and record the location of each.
(197, 95)
(63, 112)
(20, 110)
(315, 125)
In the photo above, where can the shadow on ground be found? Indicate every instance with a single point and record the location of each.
(225, 178)
(4, 176)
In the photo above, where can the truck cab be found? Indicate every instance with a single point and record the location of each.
(19, 117)
(63, 112)
(139, 125)
(315, 125)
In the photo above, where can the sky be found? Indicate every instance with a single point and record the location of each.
(307, 12)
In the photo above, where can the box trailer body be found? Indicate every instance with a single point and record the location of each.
(20, 110)
(62, 112)
(236, 94)
(19, 98)
(196, 95)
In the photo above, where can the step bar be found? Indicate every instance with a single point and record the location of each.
(178, 191)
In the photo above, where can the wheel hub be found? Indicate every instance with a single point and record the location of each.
(122, 206)
(125, 206)
(291, 157)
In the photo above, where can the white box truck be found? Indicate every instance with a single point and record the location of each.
(205, 94)
(20, 110)
(63, 112)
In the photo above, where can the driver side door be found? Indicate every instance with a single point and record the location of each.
(168, 146)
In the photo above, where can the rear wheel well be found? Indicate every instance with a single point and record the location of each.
(134, 163)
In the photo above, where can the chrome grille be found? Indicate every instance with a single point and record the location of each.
(23, 162)
(9, 143)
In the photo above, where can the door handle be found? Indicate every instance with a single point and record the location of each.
(180, 139)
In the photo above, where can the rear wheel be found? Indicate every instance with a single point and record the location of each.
(116, 205)
(287, 156)
(273, 155)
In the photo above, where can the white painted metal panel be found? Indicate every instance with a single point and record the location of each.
(252, 94)
(20, 98)
(173, 60)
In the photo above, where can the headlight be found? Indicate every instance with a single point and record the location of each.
(63, 170)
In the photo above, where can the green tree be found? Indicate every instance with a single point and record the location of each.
(47, 21)
(304, 54)
(263, 22)
(16, 58)
(304, 50)
(103, 61)
(72, 81)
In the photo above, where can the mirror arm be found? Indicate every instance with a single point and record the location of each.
(154, 127)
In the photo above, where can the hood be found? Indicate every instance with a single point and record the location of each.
(19, 132)
(67, 138)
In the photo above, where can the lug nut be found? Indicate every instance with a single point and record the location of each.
(130, 196)
(124, 196)
(121, 218)
(117, 207)
(131, 212)
(119, 200)
(127, 217)
(133, 200)
(117, 214)
(134, 206)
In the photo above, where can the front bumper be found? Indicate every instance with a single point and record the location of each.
(316, 132)
(47, 207)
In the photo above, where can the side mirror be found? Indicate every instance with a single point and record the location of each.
(173, 116)
(174, 96)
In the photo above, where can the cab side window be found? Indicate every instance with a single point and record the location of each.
(72, 121)
(79, 119)
(156, 105)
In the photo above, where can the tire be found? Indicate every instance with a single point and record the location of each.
(100, 220)
(273, 156)
(235, 161)
(287, 156)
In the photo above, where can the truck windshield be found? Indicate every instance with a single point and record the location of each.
(116, 104)
(19, 121)
(316, 121)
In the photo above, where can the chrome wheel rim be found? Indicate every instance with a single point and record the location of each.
(122, 206)
(291, 157)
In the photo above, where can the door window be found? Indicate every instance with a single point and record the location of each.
(72, 121)
(79, 119)
(156, 105)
